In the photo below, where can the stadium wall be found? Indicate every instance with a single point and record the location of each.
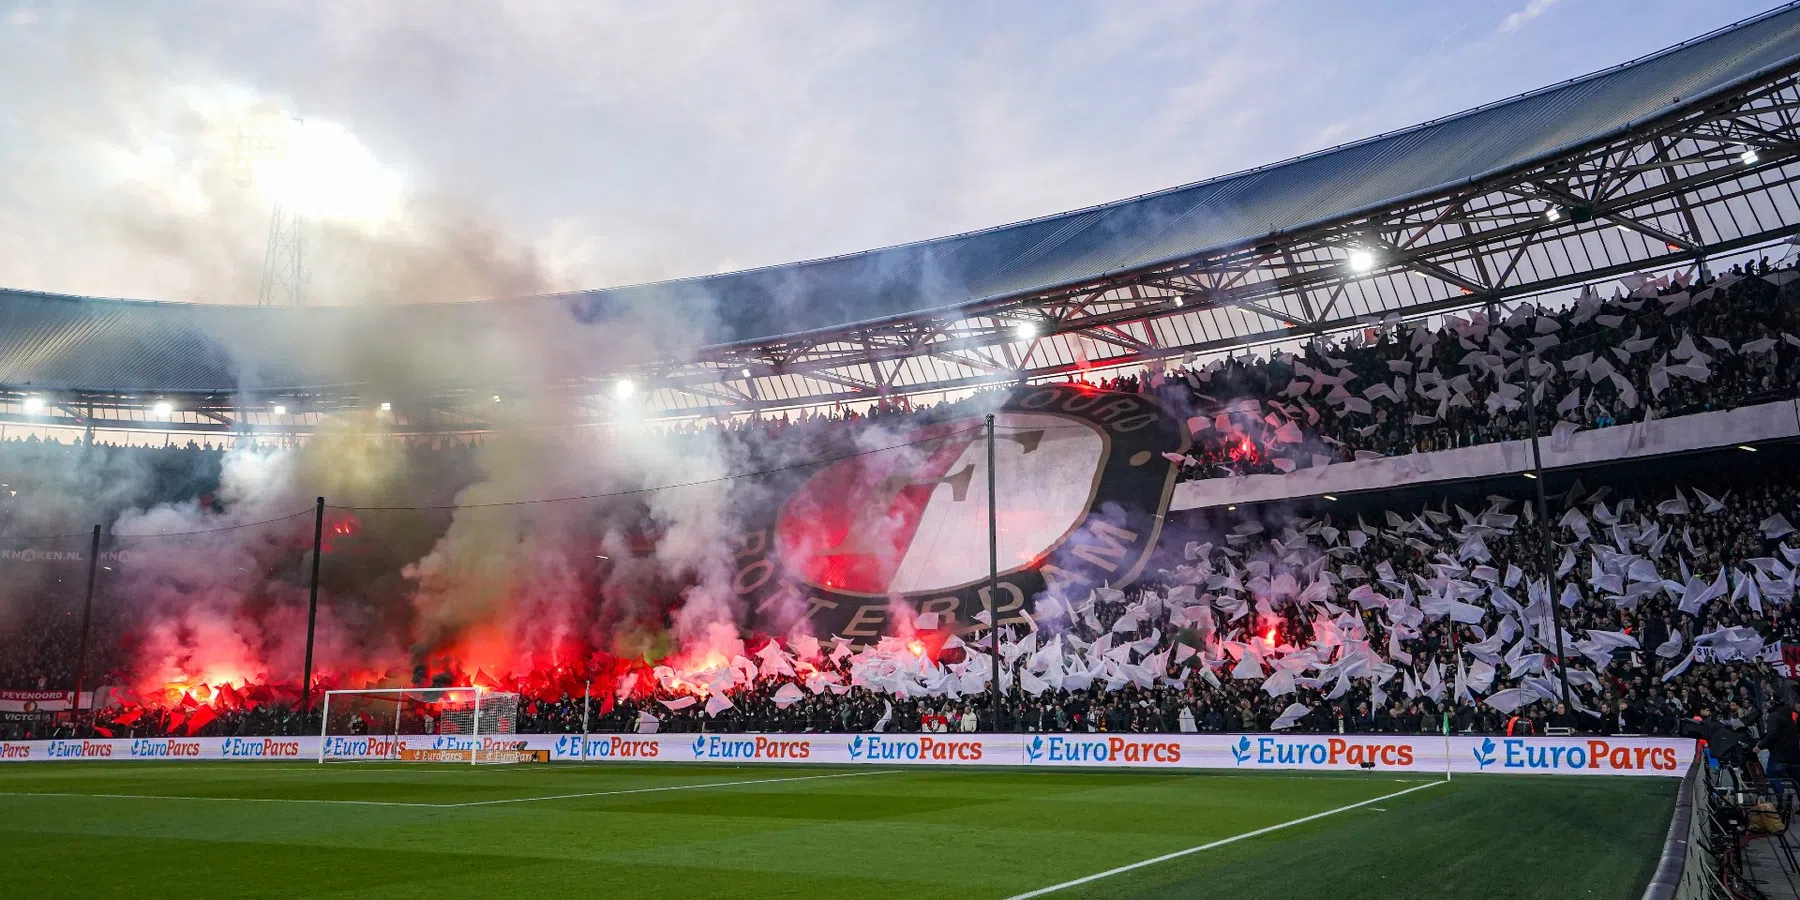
(1632, 756)
(1775, 421)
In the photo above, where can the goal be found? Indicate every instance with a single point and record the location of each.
(466, 724)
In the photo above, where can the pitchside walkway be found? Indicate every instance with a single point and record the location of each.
(1768, 866)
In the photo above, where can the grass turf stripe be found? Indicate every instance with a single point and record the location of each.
(1213, 844)
(666, 787)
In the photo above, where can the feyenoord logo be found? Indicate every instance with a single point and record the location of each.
(1082, 486)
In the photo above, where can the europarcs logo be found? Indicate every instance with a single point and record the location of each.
(1113, 750)
(569, 746)
(715, 746)
(1240, 751)
(1520, 755)
(1484, 753)
(875, 748)
(1268, 750)
(247, 748)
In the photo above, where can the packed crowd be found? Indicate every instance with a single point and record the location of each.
(1672, 608)
(1666, 348)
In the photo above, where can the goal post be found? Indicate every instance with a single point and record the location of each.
(462, 724)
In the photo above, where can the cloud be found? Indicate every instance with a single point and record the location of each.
(617, 143)
(1519, 19)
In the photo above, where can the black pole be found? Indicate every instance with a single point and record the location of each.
(1549, 556)
(993, 590)
(87, 618)
(312, 611)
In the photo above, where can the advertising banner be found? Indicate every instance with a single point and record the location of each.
(37, 702)
(1425, 754)
(1682, 434)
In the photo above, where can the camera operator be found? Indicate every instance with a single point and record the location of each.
(1731, 746)
(1781, 737)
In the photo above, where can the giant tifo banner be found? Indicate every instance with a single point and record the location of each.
(1232, 752)
(1083, 482)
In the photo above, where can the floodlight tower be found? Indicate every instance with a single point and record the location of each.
(284, 253)
(284, 259)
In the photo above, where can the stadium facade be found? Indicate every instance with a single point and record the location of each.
(1663, 162)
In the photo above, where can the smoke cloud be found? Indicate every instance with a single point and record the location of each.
(158, 175)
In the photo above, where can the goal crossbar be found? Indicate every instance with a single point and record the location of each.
(453, 736)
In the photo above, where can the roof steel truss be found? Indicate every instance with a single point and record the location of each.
(1695, 183)
(1691, 185)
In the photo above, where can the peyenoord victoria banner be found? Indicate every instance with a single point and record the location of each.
(1319, 752)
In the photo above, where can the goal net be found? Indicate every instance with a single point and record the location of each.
(468, 725)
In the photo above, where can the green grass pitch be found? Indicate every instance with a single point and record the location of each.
(196, 830)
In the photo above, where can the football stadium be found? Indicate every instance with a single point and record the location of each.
(1412, 518)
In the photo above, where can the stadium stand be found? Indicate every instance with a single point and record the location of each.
(1340, 521)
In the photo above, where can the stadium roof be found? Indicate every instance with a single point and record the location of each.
(63, 343)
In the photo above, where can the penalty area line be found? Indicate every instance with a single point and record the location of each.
(1218, 843)
(221, 799)
(666, 787)
(397, 803)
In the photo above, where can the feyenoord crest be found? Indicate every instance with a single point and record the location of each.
(1082, 486)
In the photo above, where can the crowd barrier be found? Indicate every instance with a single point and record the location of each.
(1667, 757)
(1779, 420)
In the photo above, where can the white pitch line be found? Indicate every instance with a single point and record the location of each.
(649, 790)
(668, 787)
(1218, 843)
(231, 799)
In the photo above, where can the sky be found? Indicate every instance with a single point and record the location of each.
(462, 150)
